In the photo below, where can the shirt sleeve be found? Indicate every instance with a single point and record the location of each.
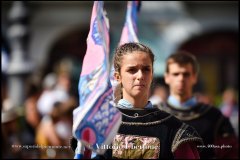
(228, 147)
(187, 151)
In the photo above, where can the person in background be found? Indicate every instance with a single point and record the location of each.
(229, 107)
(55, 106)
(204, 98)
(159, 93)
(218, 135)
(32, 116)
(11, 131)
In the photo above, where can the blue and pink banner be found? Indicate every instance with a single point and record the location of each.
(129, 32)
(96, 120)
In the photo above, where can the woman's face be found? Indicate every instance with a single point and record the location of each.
(136, 75)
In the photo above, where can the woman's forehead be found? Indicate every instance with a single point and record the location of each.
(136, 55)
(136, 59)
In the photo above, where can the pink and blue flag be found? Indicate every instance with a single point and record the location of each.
(129, 32)
(96, 120)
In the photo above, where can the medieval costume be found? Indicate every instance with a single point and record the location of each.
(150, 133)
(218, 135)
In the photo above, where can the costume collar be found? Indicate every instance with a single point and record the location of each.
(185, 105)
(123, 103)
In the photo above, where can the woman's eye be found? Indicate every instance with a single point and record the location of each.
(131, 70)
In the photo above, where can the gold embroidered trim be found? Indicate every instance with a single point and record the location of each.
(177, 141)
(178, 135)
(147, 123)
(174, 148)
(181, 116)
(134, 116)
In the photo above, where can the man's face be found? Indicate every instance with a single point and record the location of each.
(181, 79)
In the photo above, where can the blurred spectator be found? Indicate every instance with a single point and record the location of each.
(32, 115)
(229, 107)
(159, 91)
(56, 89)
(203, 98)
(15, 134)
(159, 94)
(55, 129)
(48, 97)
(10, 130)
(55, 105)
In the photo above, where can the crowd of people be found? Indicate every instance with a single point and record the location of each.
(43, 126)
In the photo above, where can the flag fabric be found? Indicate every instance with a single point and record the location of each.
(129, 34)
(96, 120)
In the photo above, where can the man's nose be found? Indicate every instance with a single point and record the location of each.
(181, 77)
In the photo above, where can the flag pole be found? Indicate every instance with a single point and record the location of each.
(79, 150)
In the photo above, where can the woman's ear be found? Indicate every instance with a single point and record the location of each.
(117, 76)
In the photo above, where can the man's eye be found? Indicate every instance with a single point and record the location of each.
(186, 74)
(146, 69)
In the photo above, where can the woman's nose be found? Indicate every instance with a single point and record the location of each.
(139, 74)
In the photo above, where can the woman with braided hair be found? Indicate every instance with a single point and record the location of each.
(145, 132)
